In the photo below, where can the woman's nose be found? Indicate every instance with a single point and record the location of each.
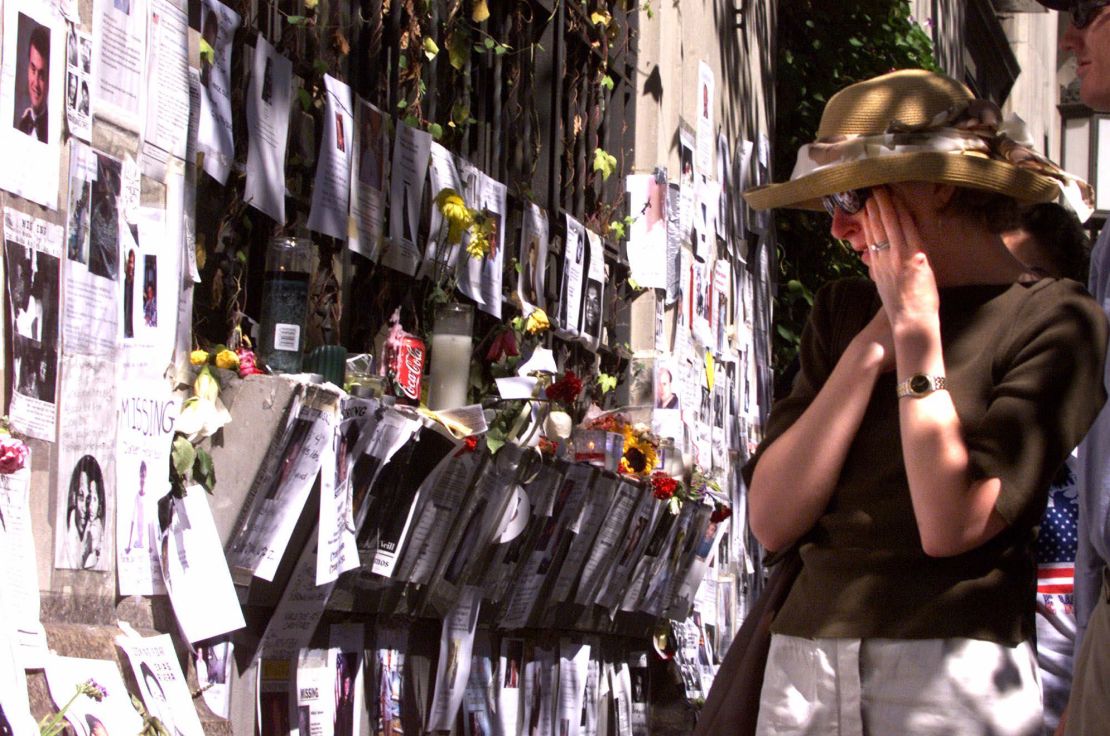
(843, 225)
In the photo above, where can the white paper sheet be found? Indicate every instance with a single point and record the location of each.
(647, 237)
(120, 51)
(162, 684)
(167, 78)
(147, 413)
(15, 705)
(79, 84)
(453, 669)
(332, 186)
(315, 692)
(593, 298)
(411, 153)
(480, 278)
(269, 96)
(574, 273)
(440, 256)
(195, 570)
(707, 104)
(19, 599)
(89, 717)
(213, 661)
(214, 138)
(86, 465)
(368, 180)
(535, 238)
(574, 663)
(33, 249)
(32, 91)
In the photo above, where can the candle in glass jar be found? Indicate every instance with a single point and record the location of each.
(451, 350)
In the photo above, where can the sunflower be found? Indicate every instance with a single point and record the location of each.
(640, 457)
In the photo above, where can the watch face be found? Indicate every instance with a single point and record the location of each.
(920, 384)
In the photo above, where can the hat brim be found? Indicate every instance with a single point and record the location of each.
(973, 172)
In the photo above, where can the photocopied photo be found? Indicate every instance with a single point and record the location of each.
(268, 105)
(33, 91)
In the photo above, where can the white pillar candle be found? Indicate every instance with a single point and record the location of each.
(450, 374)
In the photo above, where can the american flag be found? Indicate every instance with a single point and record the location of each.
(1058, 539)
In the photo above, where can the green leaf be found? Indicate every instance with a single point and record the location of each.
(402, 62)
(430, 48)
(207, 53)
(183, 455)
(488, 42)
(320, 67)
(606, 382)
(607, 82)
(295, 20)
(204, 470)
(436, 130)
(458, 48)
(402, 104)
(304, 98)
(604, 162)
(412, 121)
(500, 49)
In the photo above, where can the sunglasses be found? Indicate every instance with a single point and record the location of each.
(1084, 11)
(849, 202)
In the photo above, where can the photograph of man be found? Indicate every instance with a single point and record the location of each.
(32, 79)
(83, 99)
(71, 49)
(129, 295)
(33, 291)
(104, 227)
(591, 309)
(85, 515)
(150, 291)
(209, 33)
(71, 91)
(211, 661)
(665, 397)
(340, 138)
(345, 666)
(513, 657)
(85, 52)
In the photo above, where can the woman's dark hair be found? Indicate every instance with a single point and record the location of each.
(1058, 231)
(998, 212)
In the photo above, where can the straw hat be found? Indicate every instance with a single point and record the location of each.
(913, 125)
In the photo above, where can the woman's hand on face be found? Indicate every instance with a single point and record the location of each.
(901, 273)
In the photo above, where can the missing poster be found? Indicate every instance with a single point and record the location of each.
(120, 52)
(31, 98)
(368, 183)
(79, 83)
(411, 153)
(268, 104)
(332, 188)
(218, 24)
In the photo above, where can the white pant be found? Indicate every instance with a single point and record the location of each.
(899, 687)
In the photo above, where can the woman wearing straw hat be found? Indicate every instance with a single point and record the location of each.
(910, 463)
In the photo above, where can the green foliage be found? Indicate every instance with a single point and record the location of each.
(604, 162)
(852, 41)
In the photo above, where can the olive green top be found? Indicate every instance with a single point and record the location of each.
(1024, 364)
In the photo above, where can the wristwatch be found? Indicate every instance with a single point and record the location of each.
(919, 385)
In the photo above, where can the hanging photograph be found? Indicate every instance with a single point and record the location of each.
(368, 180)
(218, 24)
(32, 92)
(331, 190)
(268, 105)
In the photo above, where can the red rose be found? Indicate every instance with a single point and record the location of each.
(663, 486)
(13, 454)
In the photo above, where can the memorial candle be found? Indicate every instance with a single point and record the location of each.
(451, 349)
(289, 266)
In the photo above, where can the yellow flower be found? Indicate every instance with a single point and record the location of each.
(639, 456)
(227, 359)
(480, 231)
(537, 322)
(198, 357)
(458, 215)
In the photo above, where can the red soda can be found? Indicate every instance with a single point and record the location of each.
(406, 368)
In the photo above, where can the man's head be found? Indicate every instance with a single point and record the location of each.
(38, 68)
(131, 263)
(1088, 37)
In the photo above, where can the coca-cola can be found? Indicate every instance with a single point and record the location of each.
(406, 369)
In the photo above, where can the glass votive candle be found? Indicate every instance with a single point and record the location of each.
(289, 266)
(451, 349)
